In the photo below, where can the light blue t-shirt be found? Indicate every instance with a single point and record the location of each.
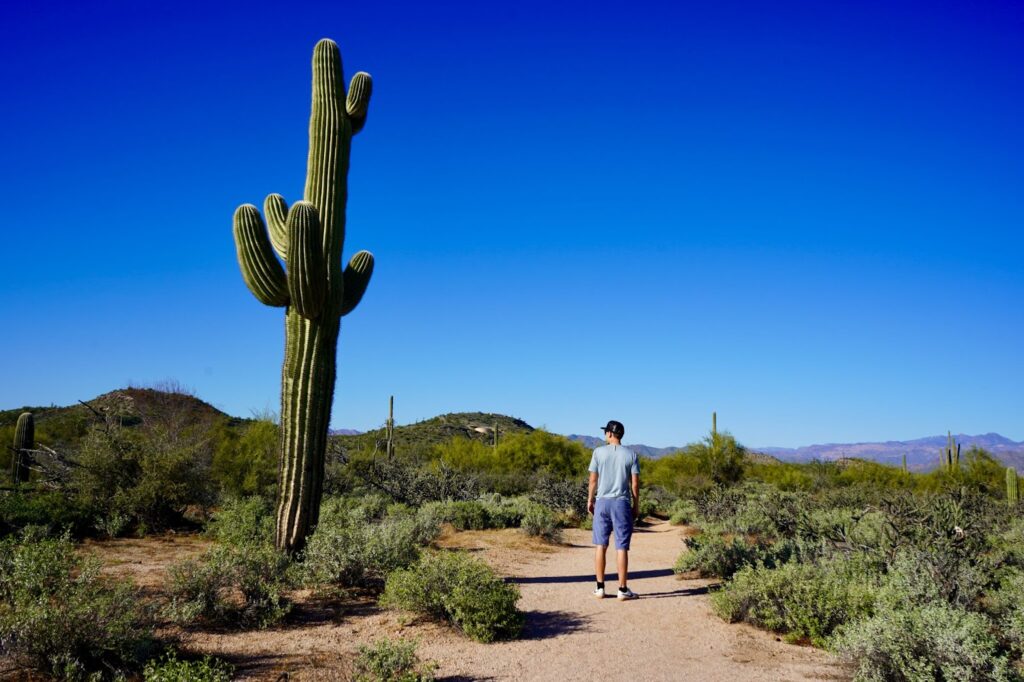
(615, 466)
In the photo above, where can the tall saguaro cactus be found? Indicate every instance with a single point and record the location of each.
(24, 440)
(313, 288)
(1012, 488)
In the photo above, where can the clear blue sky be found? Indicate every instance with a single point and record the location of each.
(804, 215)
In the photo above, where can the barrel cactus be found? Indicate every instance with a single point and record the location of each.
(312, 287)
(24, 442)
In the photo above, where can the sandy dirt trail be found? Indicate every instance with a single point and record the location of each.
(669, 633)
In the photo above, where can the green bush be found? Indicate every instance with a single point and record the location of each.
(58, 615)
(682, 512)
(565, 495)
(350, 547)
(56, 512)
(392, 661)
(932, 642)
(245, 463)
(460, 589)
(168, 668)
(714, 556)
(150, 474)
(805, 601)
(505, 512)
(243, 521)
(206, 591)
(542, 523)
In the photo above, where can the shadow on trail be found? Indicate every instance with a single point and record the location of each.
(685, 592)
(589, 577)
(544, 624)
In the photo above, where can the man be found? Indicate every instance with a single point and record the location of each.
(615, 481)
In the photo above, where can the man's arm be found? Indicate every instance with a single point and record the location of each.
(591, 491)
(636, 495)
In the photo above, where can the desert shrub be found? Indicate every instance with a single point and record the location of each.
(930, 642)
(648, 505)
(505, 512)
(568, 495)
(112, 525)
(56, 512)
(392, 661)
(1007, 606)
(713, 555)
(239, 586)
(351, 547)
(169, 668)
(541, 522)
(682, 512)
(198, 589)
(245, 464)
(58, 615)
(805, 601)
(413, 481)
(243, 521)
(149, 474)
(460, 589)
(913, 578)
(719, 457)
(468, 515)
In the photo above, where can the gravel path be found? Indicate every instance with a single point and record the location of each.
(669, 633)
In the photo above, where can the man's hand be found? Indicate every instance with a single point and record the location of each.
(590, 507)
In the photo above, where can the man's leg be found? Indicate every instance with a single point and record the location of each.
(623, 561)
(601, 534)
(599, 560)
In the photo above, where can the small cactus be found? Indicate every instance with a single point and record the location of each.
(390, 429)
(24, 442)
(1012, 488)
(950, 457)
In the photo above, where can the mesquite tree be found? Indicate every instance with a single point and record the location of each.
(313, 288)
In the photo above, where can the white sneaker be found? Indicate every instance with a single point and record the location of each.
(599, 593)
(627, 593)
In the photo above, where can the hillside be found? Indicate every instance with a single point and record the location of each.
(421, 436)
(61, 427)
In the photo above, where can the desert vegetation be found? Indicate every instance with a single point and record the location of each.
(143, 462)
(906, 576)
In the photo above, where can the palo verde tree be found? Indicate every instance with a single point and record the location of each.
(313, 288)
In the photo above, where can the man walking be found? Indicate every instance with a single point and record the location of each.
(615, 480)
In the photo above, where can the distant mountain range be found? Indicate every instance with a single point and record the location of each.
(643, 450)
(922, 453)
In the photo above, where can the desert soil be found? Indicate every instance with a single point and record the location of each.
(670, 633)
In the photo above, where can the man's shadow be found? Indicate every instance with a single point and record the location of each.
(589, 577)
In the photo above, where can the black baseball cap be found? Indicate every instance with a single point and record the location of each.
(615, 428)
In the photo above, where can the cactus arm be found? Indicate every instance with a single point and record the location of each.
(358, 101)
(357, 278)
(276, 210)
(306, 280)
(260, 270)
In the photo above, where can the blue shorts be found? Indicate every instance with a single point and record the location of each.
(613, 512)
